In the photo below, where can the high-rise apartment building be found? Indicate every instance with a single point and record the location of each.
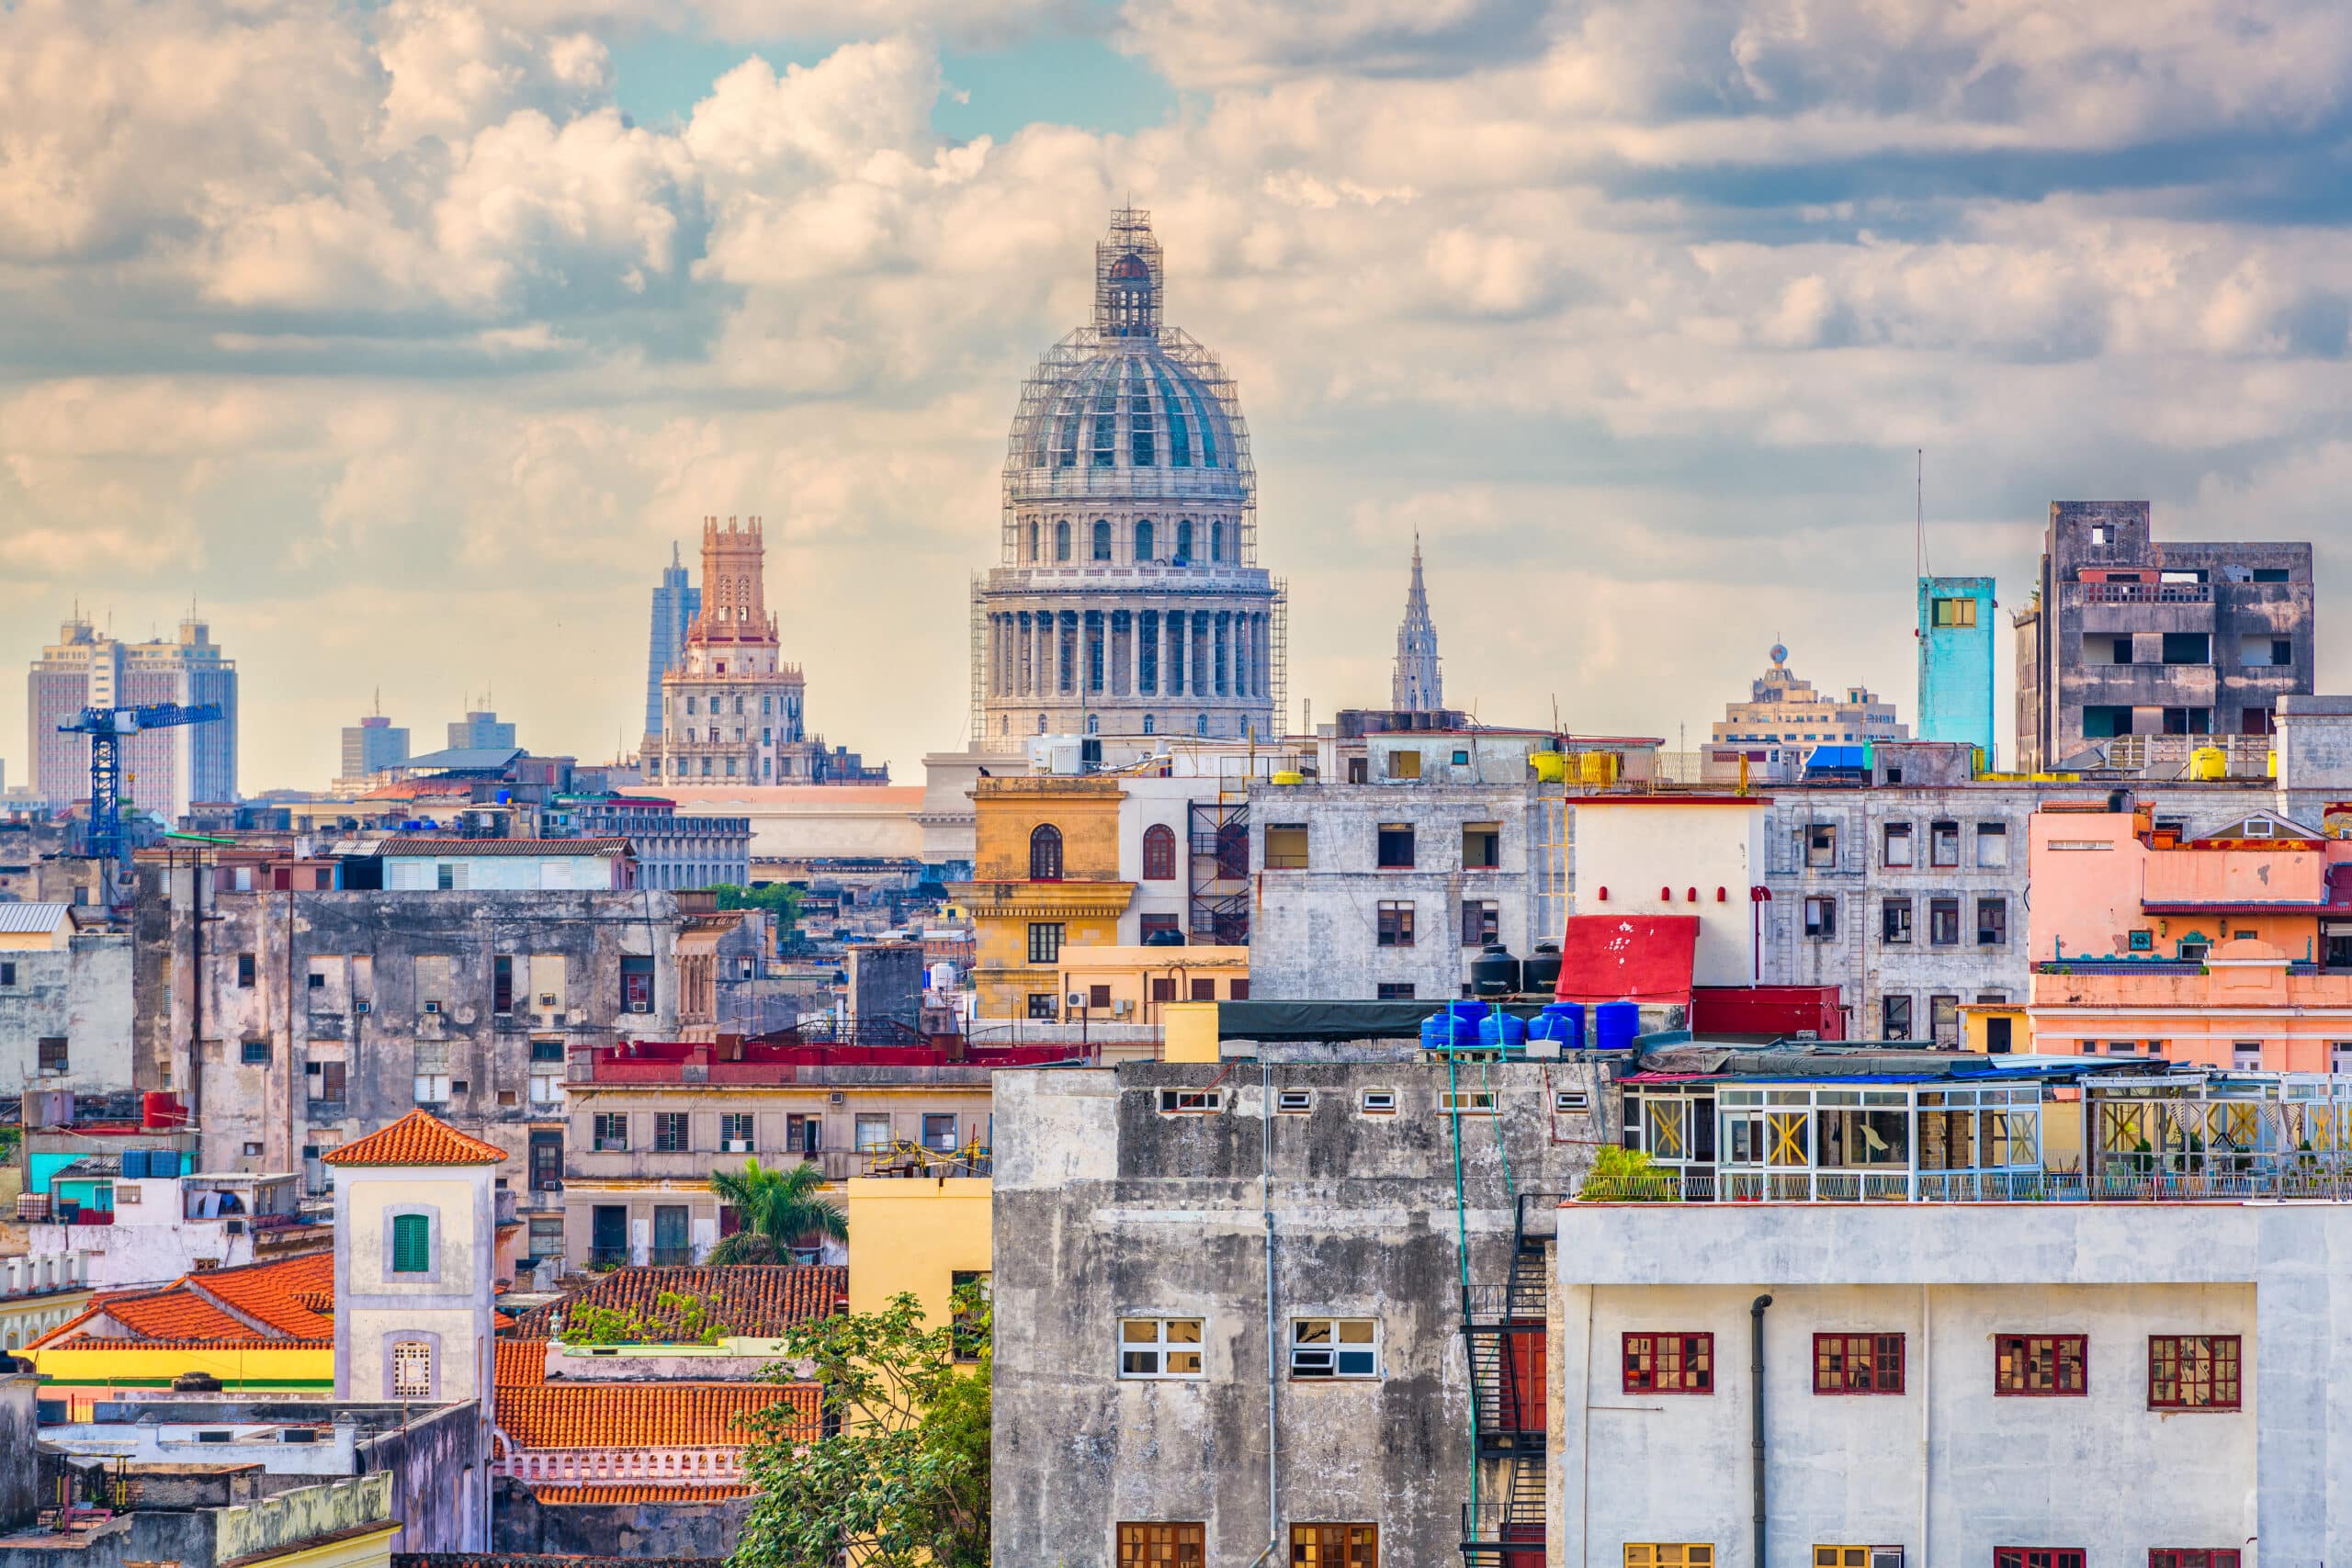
(481, 731)
(1956, 660)
(165, 769)
(370, 747)
(1417, 686)
(2126, 637)
(677, 602)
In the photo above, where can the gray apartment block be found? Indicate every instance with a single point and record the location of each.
(1183, 1248)
(321, 1016)
(2127, 636)
(1397, 894)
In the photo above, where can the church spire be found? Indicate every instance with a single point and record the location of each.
(1416, 687)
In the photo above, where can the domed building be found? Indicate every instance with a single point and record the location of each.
(1128, 600)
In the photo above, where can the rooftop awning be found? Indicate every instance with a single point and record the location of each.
(1640, 958)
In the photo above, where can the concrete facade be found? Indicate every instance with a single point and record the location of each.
(1947, 1469)
(394, 996)
(1108, 1211)
(2128, 636)
(1783, 707)
(65, 1010)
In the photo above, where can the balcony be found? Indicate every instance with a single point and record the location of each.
(587, 1166)
(2146, 593)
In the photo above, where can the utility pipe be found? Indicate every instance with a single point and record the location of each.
(1266, 1213)
(1927, 1394)
(1756, 1404)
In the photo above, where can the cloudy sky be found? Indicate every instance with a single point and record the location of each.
(405, 337)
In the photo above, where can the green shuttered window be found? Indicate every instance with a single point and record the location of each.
(412, 1244)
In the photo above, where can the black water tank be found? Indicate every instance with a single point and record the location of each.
(196, 1383)
(1541, 972)
(1494, 973)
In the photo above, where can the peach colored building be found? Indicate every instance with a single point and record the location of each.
(2214, 949)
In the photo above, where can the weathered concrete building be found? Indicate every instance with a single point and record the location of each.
(1278, 1284)
(293, 1021)
(2126, 637)
(64, 1000)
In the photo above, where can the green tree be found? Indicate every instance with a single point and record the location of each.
(676, 1319)
(900, 1476)
(1626, 1176)
(780, 902)
(779, 1208)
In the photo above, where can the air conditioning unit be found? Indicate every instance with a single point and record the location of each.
(1076, 1000)
(638, 1007)
(234, 1227)
(432, 1007)
(1121, 1007)
(363, 1007)
(838, 1098)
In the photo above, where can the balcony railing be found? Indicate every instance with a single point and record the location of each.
(2147, 592)
(2121, 1179)
(671, 1257)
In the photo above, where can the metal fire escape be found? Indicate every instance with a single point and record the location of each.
(1503, 1327)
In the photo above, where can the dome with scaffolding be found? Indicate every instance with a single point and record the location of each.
(1128, 406)
(1128, 553)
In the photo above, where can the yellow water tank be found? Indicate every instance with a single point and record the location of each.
(2208, 762)
(2271, 764)
(1551, 767)
(1289, 777)
(1597, 768)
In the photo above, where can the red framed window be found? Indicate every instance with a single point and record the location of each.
(1669, 1363)
(2045, 1365)
(1158, 852)
(2190, 1557)
(2192, 1371)
(2037, 1556)
(1857, 1363)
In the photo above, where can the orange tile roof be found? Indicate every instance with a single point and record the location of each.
(643, 1492)
(756, 1299)
(520, 1363)
(645, 1416)
(278, 1296)
(417, 1138)
(254, 1305)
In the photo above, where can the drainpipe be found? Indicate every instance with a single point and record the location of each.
(1756, 1404)
(1266, 1211)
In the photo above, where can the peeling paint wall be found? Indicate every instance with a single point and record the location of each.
(80, 994)
(1106, 1208)
(524, 1525)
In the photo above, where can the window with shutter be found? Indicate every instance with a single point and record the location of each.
(412, 1244)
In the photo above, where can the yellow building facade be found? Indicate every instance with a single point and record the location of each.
(922, 1236)
(1138, 984)
(1045, 876)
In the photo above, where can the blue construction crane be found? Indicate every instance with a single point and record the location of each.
(108, 730)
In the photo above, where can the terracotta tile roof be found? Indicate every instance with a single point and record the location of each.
(759, 1300)
(525, 1560)
(417, 1138)
(639, 1494)
(644, 1415)
(520, 1363)
(257, 1305)
(277, 1295)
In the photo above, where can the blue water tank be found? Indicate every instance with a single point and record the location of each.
(1614, 1024)
(1501, 1030)
(162, 1162)
(1441, 1030)
(134, 1164)
(1563, 1021)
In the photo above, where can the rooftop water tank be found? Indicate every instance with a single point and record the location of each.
(1502, 1031)
(1614, 1024)
(1495, 972)
(1561, 1021)
(1597, 768)
(1541, 974)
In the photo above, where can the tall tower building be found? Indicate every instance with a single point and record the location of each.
(731, 709)
(1417, 688)
(1128, 598)
(1956, 660)
(677, 602)
(482, 730)
(167, 770)
(370, 747)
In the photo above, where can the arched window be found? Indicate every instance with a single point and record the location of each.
(1033, 541)
(1147, 724)
(1158, 853)
(1061, 541)
(1094, 724)
(1045, 854)
(1216, 541)
(1101, 540)
(1185, 540)
(1201, 724)
(1041, 724)
(1005, 725)
(1143, 540)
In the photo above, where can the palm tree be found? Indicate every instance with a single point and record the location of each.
(780, 1209)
